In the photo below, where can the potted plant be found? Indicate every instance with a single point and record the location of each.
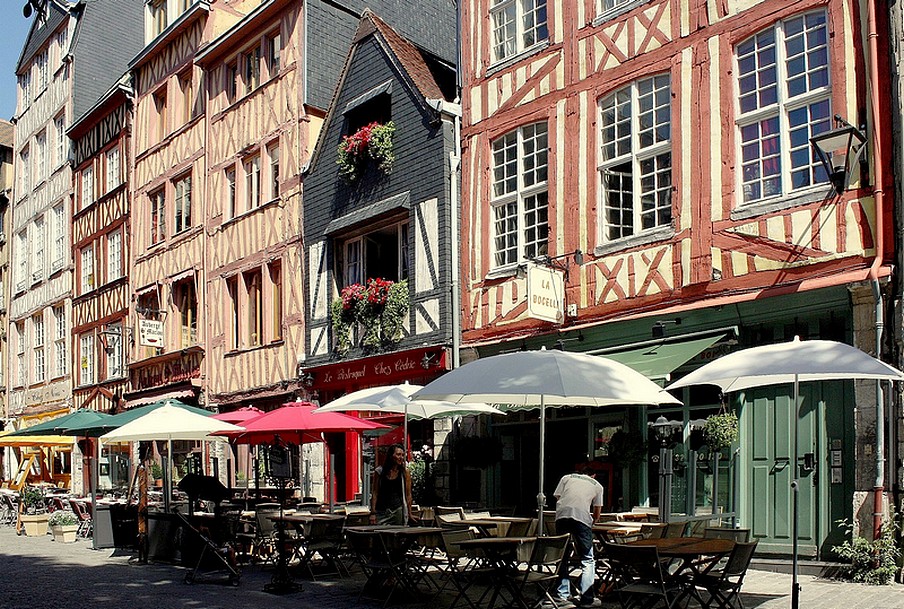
(721, 430)
(157, 474)
(34, 511)
(370, 142)
(63, 525)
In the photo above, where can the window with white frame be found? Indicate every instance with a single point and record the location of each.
(380, 253)
(86, 187)
(115, 354)
(60, 353)
(186, 301)
(159, 125)
(254, 308)
(37, 244)
(275, 299)
(636, 158)
(113, 176)
(517, 25)
(230, 193)
(231, 80)
(251, 60)
(40, 165)
(519, 201)
(274, 51)
(62, 43)
(21, 364)
(235, 307)
(158, 16)
(37, 333)
(86, 268)
(25, 89)
(252, 167)
(59, 238)
(273, 157)
(60, 128)
(21, 260)
(157, 208)
(182, 204)
(41, 63)
(784, 98)
(187, 92)
(86, 356)
(114, 255)
(24, 172)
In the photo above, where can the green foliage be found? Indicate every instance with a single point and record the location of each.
(871, 562)
(418, 470)
(721, 430)
(156, 471)
(62, 518)
(370, 142)
(627, 448)
(32, 497)
(380, 310)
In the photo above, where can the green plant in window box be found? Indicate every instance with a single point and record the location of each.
(380, 309)
(721, 430)
(370, 142)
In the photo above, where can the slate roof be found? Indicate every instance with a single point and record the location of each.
(7, 134)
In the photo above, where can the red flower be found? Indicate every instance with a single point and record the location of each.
(351, 295)
(378, 291)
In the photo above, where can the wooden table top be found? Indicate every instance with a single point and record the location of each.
(687, 546)
(394, 529)
(495, 541)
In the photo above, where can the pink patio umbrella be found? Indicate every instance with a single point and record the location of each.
(295, 423)
(239, 416)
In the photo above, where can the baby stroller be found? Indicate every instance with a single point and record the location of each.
(213, 558)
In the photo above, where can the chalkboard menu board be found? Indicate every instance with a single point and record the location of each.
(279, 462)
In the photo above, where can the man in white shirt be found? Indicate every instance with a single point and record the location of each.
(579, 501)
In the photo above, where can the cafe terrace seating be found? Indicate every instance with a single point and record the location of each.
(640, 580)
(541, 573)
(720, 588)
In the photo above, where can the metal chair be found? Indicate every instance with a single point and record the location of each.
(323, 539)
(723, 586)
(542, 570)
(639, 577)
(737, 535)
(85, 522)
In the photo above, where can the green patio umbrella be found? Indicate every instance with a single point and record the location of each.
(99, 428)
(60, 425)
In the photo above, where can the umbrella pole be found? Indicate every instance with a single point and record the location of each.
(541, 498)
(795, 499)
(93, 472)
(405, 434)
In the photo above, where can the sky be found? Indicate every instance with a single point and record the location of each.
(13, 29)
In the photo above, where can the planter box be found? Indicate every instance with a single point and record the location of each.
(64, 533)
(35, 524)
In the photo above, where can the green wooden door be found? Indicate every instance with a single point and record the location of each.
(767, 428)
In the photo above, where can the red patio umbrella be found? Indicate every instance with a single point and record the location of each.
(239, 416)
(296, 423)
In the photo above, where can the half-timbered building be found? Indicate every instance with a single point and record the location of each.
(638, 181)
(74, 53)
(379, 238)
(7, 143)
(167, 250)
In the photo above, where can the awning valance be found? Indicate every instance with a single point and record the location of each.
(656, 360)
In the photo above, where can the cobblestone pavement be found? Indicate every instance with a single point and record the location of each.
(38, 573)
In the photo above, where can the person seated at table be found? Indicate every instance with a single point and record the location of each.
(390, 501)
(579, 501)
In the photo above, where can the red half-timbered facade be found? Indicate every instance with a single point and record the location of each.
(654, 157)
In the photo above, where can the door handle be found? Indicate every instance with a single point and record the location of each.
(781, 463)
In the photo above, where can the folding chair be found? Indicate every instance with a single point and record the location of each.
(10, 510)
(458, 564)
(384, 570)
(262, 539)
(542, 571)
(723, 586)
(85, 522)
(737, 535)
(639, 578)
(323, 539)
(675, 529)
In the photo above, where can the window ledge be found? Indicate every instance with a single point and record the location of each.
(645, 238)
(502, 64)
(249, 212)
(616, 11)
(769, 206)
(243, 350)
(502, 272)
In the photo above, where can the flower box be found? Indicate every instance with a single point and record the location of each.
(35, 525)
(64, 533)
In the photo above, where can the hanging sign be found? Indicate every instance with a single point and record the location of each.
(150, 333)
(545, 293)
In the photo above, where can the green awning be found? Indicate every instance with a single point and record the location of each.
(658, 360)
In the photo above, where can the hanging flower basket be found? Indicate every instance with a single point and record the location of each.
(721, 430)
(370, 142)
(379, 309)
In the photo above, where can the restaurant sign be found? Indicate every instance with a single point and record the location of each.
(379, 370)
(545, 293)
(150, 333)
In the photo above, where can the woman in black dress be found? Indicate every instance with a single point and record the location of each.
(391, 502)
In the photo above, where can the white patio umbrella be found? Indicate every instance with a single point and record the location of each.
(397, 399)
(537, 379)
(790, 363)
(170, 423)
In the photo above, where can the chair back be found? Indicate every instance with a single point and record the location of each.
(79, 509)
(549, 522)
(265, 526)
(548, 552)
(736, 535)
(739, 559)
(444, 510)
(520, 528)
(674, 529)
(451, 539)
(632, 564)
(651, 531)
(450, 521)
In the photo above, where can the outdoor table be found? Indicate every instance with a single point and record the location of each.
(397, 540)
(497, 526)
(697, 556)
(502, 554)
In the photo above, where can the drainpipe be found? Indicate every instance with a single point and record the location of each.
(879, 194)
